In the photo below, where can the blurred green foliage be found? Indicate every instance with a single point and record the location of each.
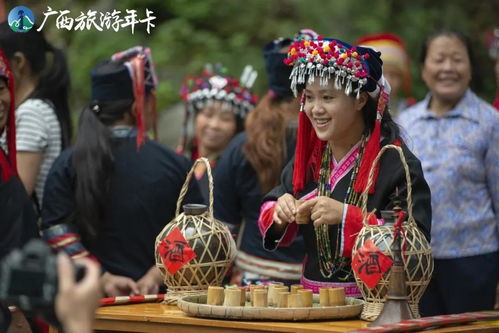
(191, 33)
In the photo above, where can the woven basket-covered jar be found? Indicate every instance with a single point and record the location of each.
(416, 252)
(209, 239)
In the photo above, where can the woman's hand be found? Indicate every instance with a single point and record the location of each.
(75, 302)
(284, 210)
(117, 285)
(323, 210)
(150, 282)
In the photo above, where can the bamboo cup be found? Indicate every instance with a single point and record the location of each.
(294, 301)
(295, 287)
(336, 296)
(215, 295)
(282, 299)
(275, 294)
(253, 287)
(306, 297)
(260, 298)
(270, 295)
(243, 296)
(232, 297)
(324, 296)
(301, 218)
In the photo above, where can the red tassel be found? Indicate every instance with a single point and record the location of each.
(302, 154)
(10, 169)
(371, 150)
(138, 65)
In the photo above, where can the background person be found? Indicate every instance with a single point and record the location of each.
(455, 134)
(43, 125)
(110, 195)
(218, 105)
(396, 68)
(251, 166)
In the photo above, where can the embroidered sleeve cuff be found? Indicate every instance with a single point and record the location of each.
(62, 237)
(272, 237)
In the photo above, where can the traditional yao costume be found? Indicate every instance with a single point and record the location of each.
(144, 185)
(315, 172)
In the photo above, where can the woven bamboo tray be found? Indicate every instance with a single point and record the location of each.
(196, 306)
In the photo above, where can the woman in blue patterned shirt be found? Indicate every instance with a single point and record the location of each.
(455, 134)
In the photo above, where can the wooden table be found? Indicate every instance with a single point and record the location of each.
(154, 317)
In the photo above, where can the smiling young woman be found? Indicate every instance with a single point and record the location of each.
(344, 96)
(218, 105)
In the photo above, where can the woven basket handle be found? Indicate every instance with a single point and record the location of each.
(363, 197)
(184, 189)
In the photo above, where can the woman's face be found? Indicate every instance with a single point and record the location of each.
(4, 103)
(394, 77)
(333, 114)
(215, 126)
(447, 69)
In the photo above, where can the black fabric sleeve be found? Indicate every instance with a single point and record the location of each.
(17, 217)
(58, 195)
(421, 195)
(227, 205)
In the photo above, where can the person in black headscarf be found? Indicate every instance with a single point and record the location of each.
(110, 195)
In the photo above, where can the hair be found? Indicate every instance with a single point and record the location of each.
(449, 33)
(389, 128)
(93, 162)
(423, 53)
(54, 82)
(265, 146)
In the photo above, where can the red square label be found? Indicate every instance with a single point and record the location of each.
(370, 263)
(175, 251)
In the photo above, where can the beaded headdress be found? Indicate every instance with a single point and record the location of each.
(215, 85)
(353, 69)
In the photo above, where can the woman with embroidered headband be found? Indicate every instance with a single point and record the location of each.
(341, 128)
(218, 105)
(251, 166)
(111, 194)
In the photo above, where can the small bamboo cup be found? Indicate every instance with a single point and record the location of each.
(295, 288)
(275, 294)
(306, 297)
(215, 295)
(232, 297)
(301, 218)
(270, 295)
(253, 287)
(324, 296)
(282, 299)
(294, 301)
(336, 296)
(243, 296)
(260, 298)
